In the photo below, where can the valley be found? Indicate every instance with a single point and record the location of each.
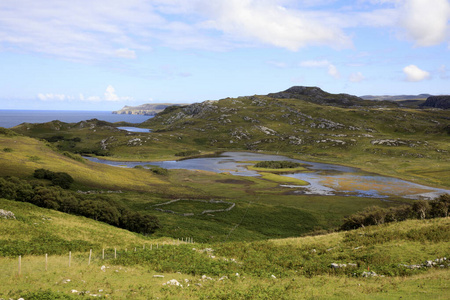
(193, 168)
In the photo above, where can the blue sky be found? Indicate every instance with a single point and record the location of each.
(104, 54)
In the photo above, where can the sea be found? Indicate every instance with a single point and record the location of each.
(11, 118)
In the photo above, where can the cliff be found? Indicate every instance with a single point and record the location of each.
(148, 109)
(442, 102)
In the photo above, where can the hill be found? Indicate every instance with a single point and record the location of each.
(442, 102)
(148, 109)
(396, 97)
(404, 259)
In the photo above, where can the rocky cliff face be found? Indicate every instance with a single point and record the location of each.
(144, 109)
(442, 102)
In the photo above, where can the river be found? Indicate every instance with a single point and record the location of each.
(323, 179)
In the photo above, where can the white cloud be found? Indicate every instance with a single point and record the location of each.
(52, 97)
(126, 53)
(271, 23)
(86, 30)
(426, 22)
(356, 77)
(315, 63)
(110, 94)
(331, 69)
(414, 74)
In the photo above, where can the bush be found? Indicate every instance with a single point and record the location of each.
(420, 209)
(61, 179)
(55, 197)
(160, 171)
(7, 149)
(188, 153)
(278, 164)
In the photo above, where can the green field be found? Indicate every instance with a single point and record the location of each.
(280, 243)
(300, 266)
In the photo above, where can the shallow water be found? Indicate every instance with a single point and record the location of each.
(134, 129)
(324, 179)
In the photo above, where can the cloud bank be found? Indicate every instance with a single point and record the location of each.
(110, 95)
(86, 30)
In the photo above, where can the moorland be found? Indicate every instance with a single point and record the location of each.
(271, 243)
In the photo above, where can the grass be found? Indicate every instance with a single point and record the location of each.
(283, 179)
(39, 231)
(84, 172)
(301, 266)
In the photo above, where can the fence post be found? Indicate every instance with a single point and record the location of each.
(46, 261)
(70, 257)
(90, 254)
(115, 253)
(20, 264)
(103, 253)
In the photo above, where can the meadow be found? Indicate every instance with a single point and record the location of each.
(292, 268)
(271, 243)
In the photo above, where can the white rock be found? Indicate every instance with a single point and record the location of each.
(173, 282)
(273, 276)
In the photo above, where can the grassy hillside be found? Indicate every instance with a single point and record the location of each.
(262, 208)
(294, 268)
(376, 136)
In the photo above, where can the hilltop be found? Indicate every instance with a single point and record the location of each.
(148, 109)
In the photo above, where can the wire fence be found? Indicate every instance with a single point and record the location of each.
(88, 258)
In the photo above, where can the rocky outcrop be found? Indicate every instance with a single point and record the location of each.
(317, 95)
(4, 214)
(442, 102)
(148, 109)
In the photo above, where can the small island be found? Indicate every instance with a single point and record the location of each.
(271, 170)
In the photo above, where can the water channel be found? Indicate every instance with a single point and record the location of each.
(323, 179)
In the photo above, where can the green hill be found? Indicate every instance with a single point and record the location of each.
(404, 259)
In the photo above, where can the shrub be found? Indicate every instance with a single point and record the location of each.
(188, 153)
(421, 208)
(160, 171)
(278, 164)
(61, 179)
(7, 149)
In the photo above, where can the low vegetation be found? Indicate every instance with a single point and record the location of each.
(421, 209)
(278, 164)
(246, 229)
(98, 208)
(282, 268)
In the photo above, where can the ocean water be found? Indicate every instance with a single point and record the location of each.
(11, 118)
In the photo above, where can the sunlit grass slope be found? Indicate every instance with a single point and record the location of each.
(294, 268)
(25, 154)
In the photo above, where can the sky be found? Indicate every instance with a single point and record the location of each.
(104, 54)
